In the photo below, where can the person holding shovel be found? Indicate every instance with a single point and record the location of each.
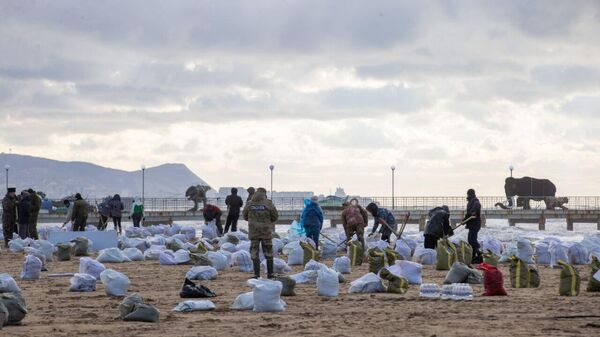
(437, 227)
(474, 224)
(355, 219)
(384, 217)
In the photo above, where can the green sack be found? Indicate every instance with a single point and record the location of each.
(391, 255)
(446, 254)
(396, 284)
(15, 306)
(143, 312)
(593, 284)
(355, 253)
(202, 248)
(461, 273)
(569, 280)
(80, 247)
(376, 260)
(464, 253)
(3, 315)
(126, 306)
(309, 253)
(288, 285)
(523, 275)
(63, 252)
(200, 260)
(490, 258)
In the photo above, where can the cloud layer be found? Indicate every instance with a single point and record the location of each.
(331, 92)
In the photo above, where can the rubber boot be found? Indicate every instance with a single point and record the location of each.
(256, 264)
(477, 257)
(270, 274)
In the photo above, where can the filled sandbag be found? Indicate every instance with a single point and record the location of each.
(32, 268)
(173, 244)
(342, 265)
(112, 255)
(594, 282)
(376, 260)
(578, 254)
(542, 253)
(229, 247)
(558, 252)
(307, 276)
(409, 270)
(63, 252)
(202, 273)
(523, 275)
(310, 253)
(510, 251)
(294, 252)
(493, 280)
(355, 253)
(243, 261)
(464, 252)
(115, 283)
(525, 250)
(46, 248)
(167, 258)
(181, 256)
(244, 301)
(266, 295)
(446, 254)
(134, 254)
(314, 265)
(492, 244)
(133, 308)
(569, 280)
(218, 260)
(403, 249)
(153, 253)
(391, 256)
(8, 284)
(81, 246)
(15, 306)
(189, 306)
(16, 245)
(328, 250)
(461, 273)
(89, 266)
(288, 284)
(189, 232)
(209, 231)
(327, 282)
(200, 260)
(490, 258)
(368, 283)
(396, 284)
(425, 256)
(37, 253)
(82, 283)
(279, 266)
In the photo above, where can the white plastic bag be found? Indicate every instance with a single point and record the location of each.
(167, 258)
(219, 261)
(115, 283)
(542, 253)
(511, 250)
(181, 256)
(153, 253)
(243, 260)
(558, 252)
(89, 266)
(403, 249)
(425, 256)
(174, 229)
(411, 271)
(37, 253)
(47, 248)
(189, 232)
(492, 244)
(342, 265)
(189, 306)
(32, 267)
(279, 266)
(229, 247)
(368, 283)
(244, 301)
(295, 253)
(308, 276)
(266, 295)
(134, 254)
(525, 250)
(328, 250)
(578, 254)
(327, 282)
(209, 230)
(202, 273)
(8, 284)
(16, 245)
(83, 283)
(314, 265)
(112, 255)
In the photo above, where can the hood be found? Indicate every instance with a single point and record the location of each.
(259, 196)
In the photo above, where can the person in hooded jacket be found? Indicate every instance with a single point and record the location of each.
(212, 212)
(261, 215)
(251, 192)
(9, 215)
(473, 225)
(24, 214)
(116, 211)
(382, 216)
(79, 213)
(234, 204)
(437, 227)
(312, 219)
(355, 219)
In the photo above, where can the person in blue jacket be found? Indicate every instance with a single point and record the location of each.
(312, 219)
(382, 217)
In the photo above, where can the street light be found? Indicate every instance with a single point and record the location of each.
(7, 167)
(271, 167)
(393, 203)
(143, 183)
(511, 168)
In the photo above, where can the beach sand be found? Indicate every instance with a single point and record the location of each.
(54, 311)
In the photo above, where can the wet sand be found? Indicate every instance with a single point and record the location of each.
(54, 311)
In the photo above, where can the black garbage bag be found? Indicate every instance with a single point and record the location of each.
(191, 290)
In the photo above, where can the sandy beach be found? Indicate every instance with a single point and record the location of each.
(54, 311)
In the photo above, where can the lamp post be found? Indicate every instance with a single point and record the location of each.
(271, 167)
(7, 167)
(511, 168)
(393, 201)
(143, 183)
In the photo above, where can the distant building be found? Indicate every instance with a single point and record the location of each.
(339, 192)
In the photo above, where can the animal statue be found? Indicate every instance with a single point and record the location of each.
(556, 202)
(198, 195)
(527, 189)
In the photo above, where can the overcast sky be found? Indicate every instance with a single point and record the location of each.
(331, 92)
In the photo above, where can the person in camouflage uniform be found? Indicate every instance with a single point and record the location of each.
(80, 214)
(9, 215)
(261, 215)
(36, 205)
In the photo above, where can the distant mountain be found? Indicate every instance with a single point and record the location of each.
(58, 178)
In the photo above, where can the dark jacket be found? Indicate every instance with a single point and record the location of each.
(211, 212)
(36, 204)
(234, 202)
(261, 215)
(116, 207)
(473, 209)
(24, 210)
(388, 217)
(80, 211)
(354, 215)
(9, 210)
(438, 224)
(312, 216)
